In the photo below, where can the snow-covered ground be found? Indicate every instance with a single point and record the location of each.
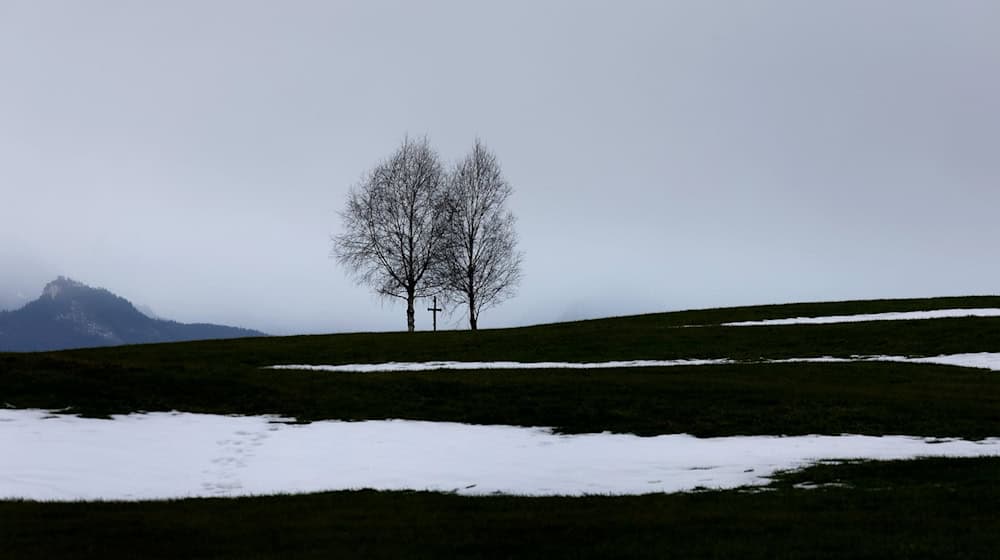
(895, 316)
(979, 360)
(984, 360)
(171, 455)
(433, 366)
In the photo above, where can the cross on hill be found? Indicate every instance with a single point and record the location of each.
(434, 311)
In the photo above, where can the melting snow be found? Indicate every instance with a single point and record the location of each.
(433, 366)
(895, 316)
(980, 360)
(984, 360)
(172, 455)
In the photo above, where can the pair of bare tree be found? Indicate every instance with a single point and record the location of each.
(413, 230)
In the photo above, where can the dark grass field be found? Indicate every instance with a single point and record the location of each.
(927, 508)
(930, 508)
(754, 399)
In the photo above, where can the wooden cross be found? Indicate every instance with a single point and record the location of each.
(434, 311)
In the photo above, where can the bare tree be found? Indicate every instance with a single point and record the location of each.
(479, 264)
(393, 226)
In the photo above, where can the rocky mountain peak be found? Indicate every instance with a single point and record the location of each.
(60, 285)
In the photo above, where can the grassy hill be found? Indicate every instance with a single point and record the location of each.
(926, 508)
(870, 398)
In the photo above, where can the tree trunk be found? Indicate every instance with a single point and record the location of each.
(472, 314)
(410, 320)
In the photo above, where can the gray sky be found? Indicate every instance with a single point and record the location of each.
(192, 155)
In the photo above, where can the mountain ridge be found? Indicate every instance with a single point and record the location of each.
(69, 314)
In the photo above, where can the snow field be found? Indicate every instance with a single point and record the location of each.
(175, 455)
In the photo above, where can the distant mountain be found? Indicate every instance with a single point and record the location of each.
(73, 315)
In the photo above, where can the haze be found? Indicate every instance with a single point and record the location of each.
(192, 155)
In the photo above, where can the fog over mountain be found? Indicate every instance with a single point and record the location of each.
(21, 277)
(193, 156)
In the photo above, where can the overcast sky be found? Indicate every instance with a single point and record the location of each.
(192, 155)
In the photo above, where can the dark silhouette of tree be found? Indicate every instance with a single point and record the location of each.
(393, 226)
(479, 265)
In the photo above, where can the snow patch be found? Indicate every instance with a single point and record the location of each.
(983, 360)
(894, 316)
(175, 455)
(434, 366)
(979, 360)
